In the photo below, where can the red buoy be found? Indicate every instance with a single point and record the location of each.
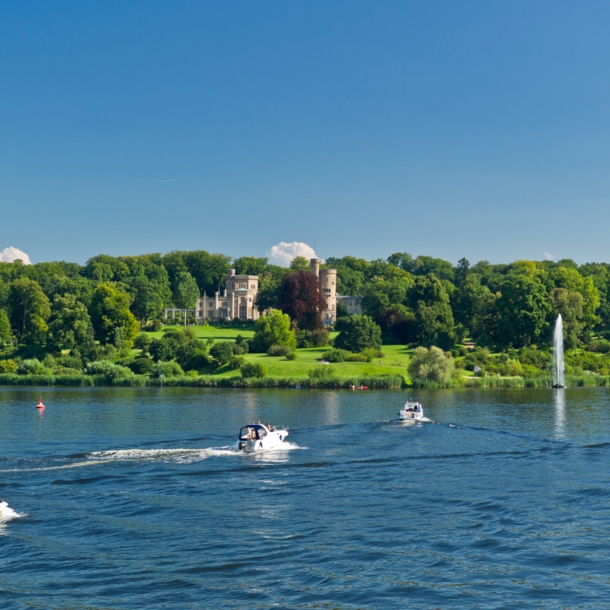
(40, 405)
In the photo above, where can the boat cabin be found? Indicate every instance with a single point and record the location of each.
(412, 407)
(255, 432)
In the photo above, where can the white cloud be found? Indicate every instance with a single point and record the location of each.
(283, 253)
(10, 254)
(548, 256)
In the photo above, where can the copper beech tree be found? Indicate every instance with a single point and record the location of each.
(301, 298)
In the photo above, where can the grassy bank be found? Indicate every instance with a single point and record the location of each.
(374, 382)
(588, 381)
(204, 381)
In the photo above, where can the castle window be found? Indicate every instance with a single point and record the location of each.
(327, 290)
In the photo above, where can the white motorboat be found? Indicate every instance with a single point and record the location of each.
(259, 437)
(411, 411)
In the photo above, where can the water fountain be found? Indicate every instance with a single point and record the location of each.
(558, 361)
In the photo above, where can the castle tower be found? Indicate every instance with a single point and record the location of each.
(328, 285)
(314, 263)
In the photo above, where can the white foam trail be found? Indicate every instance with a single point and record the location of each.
(7, 513)
(62, 467)
(181, 456)
(161, 454)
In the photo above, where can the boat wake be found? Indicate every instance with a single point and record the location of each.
(7, 513)
(180, 456)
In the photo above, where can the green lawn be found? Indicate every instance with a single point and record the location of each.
(218, 334)
(395, 362)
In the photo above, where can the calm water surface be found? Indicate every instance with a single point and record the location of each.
(130, 499)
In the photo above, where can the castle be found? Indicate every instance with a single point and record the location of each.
(239, 296)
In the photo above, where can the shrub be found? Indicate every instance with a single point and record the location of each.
(602, 346)
(357, 358)
(191, 374)
(291, 356)
(319, 338)
(236, 362)
(32, 366)
(253, 369)
(243, 343)
(70, 361)
(8, 366)
(141, 366)
(273, 329)
(167, 369)
(313, 338)
(369, 353)
(222, 352)
(279, 350)
(321, 372)
(357, 333)
(431, 365)
(335, 355)
(142, 342)
(238, 350)
(108, 369)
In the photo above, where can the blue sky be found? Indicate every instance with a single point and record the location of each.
(477, 129)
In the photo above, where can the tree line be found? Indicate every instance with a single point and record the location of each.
(420, 301)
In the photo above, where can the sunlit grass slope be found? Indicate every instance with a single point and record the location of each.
(395, 362)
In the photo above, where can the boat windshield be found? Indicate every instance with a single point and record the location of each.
(253, 432)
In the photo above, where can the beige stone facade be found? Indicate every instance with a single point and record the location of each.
(328, 285)
(238, 298)
(236, 301)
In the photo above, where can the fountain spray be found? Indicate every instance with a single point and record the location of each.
(558, 360)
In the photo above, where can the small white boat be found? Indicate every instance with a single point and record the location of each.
(411, 411)
(259, 437)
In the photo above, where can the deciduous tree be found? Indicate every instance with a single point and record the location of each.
(301, 298)
(273, 329)
(109, 310)
(69, 323)
(28, 310)
(357, 333)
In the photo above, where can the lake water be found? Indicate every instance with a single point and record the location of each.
(129, 499)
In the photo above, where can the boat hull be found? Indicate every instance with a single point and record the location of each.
(274, 440)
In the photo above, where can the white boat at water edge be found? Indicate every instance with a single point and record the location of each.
(260, 437)
(412, 411)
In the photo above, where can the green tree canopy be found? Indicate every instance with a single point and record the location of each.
(6, 336)
(269, 285)
(186, 292)
(431, 365)
(357, 333)
(69, 324)
(28, 311)
(299, 263)
(429, 301)
(273, 329)
(149, 297)
(109, 310)
(250, 265)
(523, 308)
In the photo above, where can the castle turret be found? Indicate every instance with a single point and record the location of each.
(314, 263)
(328, 285)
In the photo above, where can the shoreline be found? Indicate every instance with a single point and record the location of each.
(381, 382)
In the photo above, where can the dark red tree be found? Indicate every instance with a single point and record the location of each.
(301, 298)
